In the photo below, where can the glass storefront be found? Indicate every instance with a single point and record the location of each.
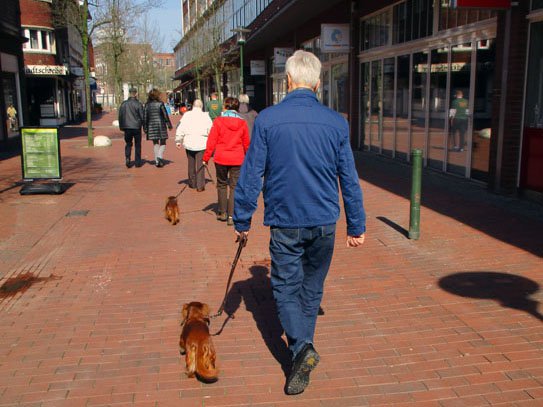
(437, 100)
(9, 88)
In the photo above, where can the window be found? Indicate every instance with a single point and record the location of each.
(375, 30)
(537, 4)
(450, 17)
(412, 19)
(39, 40)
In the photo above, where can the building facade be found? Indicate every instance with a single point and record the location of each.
(53, 67)
(410, 74)
(12, 108)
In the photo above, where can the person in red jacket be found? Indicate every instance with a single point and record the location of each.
(229, 140)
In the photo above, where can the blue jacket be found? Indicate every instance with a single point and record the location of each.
(299, 149)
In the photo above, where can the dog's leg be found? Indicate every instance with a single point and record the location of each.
(190, 360)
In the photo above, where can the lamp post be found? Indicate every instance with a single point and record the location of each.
(240, 33)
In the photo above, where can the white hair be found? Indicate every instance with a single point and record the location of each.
(243, 98)
(304, 68)
(197, 103)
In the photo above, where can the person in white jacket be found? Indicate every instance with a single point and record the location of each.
(192, 133)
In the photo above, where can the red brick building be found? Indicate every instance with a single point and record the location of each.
(53, 67)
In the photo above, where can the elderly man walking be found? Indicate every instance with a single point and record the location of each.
(298, 152)
(192, 132)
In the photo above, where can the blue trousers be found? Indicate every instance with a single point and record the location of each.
(300, 259)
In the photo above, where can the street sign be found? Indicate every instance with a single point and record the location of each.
(40, 156)
(492, 4)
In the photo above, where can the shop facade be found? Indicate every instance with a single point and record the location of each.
(12, 109)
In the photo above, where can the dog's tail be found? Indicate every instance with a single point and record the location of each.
(205, 363)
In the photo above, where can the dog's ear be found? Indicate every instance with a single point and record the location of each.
(205, 310)
(184, 313)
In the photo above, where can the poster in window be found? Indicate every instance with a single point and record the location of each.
(40, 157)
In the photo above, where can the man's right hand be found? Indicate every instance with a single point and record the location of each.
(355, 241)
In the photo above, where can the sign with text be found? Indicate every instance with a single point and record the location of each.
(335, 38)
(280, 56)
(46, 70)
(258, 67)
(493, 4)
(40, 154)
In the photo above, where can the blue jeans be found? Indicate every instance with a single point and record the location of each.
(300, 259)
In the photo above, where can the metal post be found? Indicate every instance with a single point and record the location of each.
(242, 90)
(414, 218)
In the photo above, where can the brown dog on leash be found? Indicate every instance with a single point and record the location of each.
(195, 343)
(172, 210)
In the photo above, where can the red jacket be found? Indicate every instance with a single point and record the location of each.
(229, 139)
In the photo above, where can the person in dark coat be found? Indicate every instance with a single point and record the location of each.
(130, 122)
(156, 124)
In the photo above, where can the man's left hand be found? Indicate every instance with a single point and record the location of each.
(355, 241)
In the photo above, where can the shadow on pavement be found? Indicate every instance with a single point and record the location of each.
(258, 298)
(394, 226)
(510, 290)
(511, 220)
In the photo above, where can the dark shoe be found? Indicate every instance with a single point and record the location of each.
(128, 163)
(200, 190)
(159, 163)
(222, 217)
(230, 221)
(303, 364)
(139, 164)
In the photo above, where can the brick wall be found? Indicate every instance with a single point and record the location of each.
(36, 13)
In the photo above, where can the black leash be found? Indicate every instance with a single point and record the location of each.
(208, 173)
(242, 239)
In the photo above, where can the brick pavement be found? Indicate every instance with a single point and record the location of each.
(404, 324)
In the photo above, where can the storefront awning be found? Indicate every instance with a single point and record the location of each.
(183, 85)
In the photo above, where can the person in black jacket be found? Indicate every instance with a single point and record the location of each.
(155, 121)
(130, 122)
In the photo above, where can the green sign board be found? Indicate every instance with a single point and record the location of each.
(41, 153)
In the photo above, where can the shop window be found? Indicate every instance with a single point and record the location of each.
(39, 40)
(537, 4)
(375, 31)
(451, 17)
(9, 86)
(412, 19)
(534, 92)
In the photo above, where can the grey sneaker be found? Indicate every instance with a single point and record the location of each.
(230, 221)
(303, 364)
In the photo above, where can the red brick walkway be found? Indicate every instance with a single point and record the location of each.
(450, 320)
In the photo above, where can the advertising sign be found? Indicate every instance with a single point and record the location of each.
(494, 4)
(335, 38)
(280, 56)
(40, 153)
(258, 67)
(46, 70)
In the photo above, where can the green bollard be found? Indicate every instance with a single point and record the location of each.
(414, 218)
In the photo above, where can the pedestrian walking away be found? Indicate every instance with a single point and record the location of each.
(228, 140)
(299, 150)
(130, 122)
(192, 134)
(156, 124)
(214, 106)
(247, 112)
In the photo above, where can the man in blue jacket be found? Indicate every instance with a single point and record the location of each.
(299, 150)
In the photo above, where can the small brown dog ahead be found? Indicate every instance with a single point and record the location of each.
(172, 210)
(195, 342)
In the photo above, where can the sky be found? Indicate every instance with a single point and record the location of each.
(168, 20)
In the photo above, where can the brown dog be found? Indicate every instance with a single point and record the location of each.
(172, 210)
(195, 343)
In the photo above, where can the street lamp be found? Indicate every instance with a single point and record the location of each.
(240, 33)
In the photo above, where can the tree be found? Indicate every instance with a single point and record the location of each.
(109, 17)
